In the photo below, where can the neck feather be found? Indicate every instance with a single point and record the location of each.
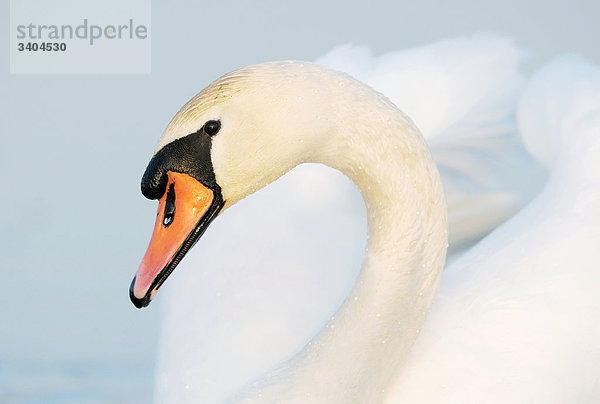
(363, 345)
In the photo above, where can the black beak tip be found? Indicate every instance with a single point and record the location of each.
(139, 303)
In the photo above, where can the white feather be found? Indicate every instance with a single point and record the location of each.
(270, 272)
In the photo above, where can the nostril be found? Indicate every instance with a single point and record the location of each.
(169, 206)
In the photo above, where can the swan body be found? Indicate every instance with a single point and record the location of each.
(516, 318)
(276, 116)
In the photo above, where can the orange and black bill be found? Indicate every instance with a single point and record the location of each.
(184, 212)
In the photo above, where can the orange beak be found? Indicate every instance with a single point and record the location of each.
(184, 212)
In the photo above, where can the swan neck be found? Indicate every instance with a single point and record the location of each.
(363, 345)
(407, 239)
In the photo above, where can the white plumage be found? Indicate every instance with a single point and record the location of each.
(270, 272)
(516, 318)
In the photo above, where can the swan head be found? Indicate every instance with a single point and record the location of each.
(236, 136)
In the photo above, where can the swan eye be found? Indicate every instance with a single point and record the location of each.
(169, 207)
(211, 128)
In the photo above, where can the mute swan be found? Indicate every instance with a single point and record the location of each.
(322, 377)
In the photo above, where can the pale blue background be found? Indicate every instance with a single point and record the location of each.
(73, 224)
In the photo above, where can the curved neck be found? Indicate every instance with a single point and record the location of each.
(363, 345)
